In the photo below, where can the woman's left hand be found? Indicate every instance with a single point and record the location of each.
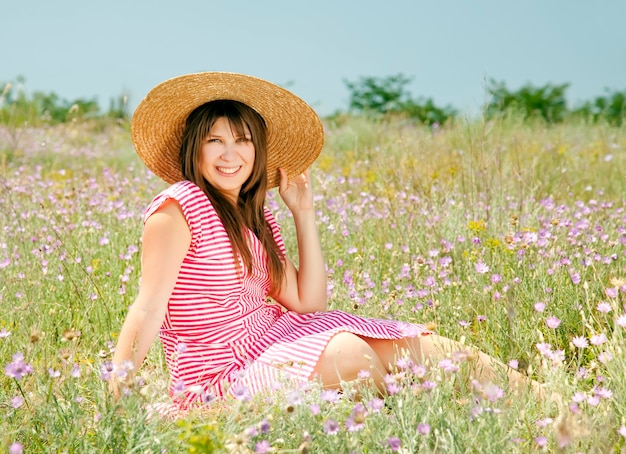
(296, 193)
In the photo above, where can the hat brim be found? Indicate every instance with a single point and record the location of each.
(295, 134)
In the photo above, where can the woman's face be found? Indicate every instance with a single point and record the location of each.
(227, 159)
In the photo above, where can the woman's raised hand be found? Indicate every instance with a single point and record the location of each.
(296, 193)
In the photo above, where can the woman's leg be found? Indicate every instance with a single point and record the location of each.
(344, 357)
(431, 349)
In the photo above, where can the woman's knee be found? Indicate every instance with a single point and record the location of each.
(345, 355)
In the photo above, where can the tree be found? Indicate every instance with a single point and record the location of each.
(547, 102)
(388, 95)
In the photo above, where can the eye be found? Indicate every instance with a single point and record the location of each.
(244, 139)
(213, 140)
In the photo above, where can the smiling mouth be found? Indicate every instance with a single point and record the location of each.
(228, 170)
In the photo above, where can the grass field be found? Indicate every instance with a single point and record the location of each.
(509, 236)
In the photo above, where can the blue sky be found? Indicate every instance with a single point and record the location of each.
(87, 49)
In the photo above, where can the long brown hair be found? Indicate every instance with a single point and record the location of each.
(251, 202)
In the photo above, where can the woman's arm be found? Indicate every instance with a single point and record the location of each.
(166, 239)
(303, 290)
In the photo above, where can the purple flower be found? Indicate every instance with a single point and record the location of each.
(375, 405)
(17, 402)
(423, 428)
(330, 395)
(263, 447)
(264, 427)
(314, 409)
(448, 365)
(611, 292)
(553, 322)
(394, 443)
(241, 393)
(18, 368)
(4, 333)
(331, 427)
(541, 441)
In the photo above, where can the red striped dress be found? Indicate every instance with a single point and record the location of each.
(220, 334)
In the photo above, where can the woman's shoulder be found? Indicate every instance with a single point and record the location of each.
(187, 194)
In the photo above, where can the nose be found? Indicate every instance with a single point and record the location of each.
(228, 153)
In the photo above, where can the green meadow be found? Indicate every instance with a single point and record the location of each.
(508, 235)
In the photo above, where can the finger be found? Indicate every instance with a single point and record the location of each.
(284, 181)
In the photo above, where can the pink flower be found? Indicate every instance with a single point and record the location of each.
(481, 267)
(553, 322)
(580, 342)
(621, 320)
(539, 307)
(611, 292)
(394, 443)
(598, 339)
(423, 428)
(604, 307)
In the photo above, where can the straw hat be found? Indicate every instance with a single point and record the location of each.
(294, 131)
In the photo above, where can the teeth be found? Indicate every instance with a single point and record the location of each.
(229, 170)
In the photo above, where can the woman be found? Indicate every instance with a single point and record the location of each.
(212, 254)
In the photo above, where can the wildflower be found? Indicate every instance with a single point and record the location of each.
(496, 278)
(331, 427)
(493, 393)
(580, 342)
(481, 267)
(621, 320)
(513, 364)
(543, 422)
(241, 393)
(604, 307)
(575, 277)
(544, 348)
(356, 421)
(263, 447)
(75, 372)
(394, 443)
(604, 393)
(16, 448)
(605, 357)
(423, 428)
(375, 405)
(553, 322)
(539, 307)
(264, 426)
(541, 441)
(4, 333)
(330, 395)
(17, 402)
(448, 365)
(18, 368)
(598, 339)
(622, 431)
(611, 292)
(314, 409)
(54, 373)
(363, 374)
